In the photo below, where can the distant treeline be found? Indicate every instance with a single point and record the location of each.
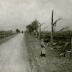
(6, 33)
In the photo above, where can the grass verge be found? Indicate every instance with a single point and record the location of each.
(51, 63)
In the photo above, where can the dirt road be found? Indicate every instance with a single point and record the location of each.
(14, 55)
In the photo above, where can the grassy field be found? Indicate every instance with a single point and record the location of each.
(59, 38)
(63, 35)
(51, 63)
(4, 34)
(6, 37)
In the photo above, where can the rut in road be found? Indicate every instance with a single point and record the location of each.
(14, 55)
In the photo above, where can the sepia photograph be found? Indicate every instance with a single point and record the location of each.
(35, 35)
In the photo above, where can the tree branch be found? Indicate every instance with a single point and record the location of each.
(54, 24)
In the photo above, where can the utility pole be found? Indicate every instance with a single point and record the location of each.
(52, 28)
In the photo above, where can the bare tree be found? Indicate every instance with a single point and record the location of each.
(64, 28)
(52, 26)
(55, 23)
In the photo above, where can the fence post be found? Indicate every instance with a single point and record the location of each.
(69, 53)
(71, 43)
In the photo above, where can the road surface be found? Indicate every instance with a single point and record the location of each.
(14, 55)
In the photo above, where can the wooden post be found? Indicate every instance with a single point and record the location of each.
(69, 53)
(71, 47)
(71, 44)
(52, 28)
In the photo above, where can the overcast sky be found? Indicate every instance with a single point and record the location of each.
(18, 13)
